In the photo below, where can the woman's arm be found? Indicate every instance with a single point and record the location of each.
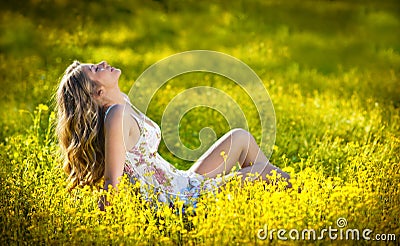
(121, 133)
(114, 146)
(114, 150)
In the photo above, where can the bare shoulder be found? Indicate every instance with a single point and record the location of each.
(117, 115)
(120, 124)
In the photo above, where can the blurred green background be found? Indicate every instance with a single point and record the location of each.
(343, 49)
(332, 70)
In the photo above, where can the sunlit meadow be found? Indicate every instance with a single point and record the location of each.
(331, 68)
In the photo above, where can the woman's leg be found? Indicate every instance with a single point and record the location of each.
(239, 147)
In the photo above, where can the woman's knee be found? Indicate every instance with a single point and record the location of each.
(240, 134)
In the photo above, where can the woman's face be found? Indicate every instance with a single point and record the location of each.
(102, 73)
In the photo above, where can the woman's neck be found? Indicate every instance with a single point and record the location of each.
(114, 97)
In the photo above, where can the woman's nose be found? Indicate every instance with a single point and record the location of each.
(104, 63)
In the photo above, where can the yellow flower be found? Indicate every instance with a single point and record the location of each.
(43, 107)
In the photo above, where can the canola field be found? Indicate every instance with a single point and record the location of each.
(331, 68)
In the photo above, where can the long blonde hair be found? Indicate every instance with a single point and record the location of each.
(80, 128)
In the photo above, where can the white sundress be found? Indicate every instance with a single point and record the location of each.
(143, 163)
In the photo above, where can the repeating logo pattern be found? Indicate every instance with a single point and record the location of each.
(152, 79)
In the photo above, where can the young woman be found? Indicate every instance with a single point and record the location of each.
(103, 135)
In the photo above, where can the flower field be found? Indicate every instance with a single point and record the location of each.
(331, 68)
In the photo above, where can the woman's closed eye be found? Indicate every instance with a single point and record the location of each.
(99, 68)
(94, 68)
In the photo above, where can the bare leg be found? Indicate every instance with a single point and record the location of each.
(239, 147)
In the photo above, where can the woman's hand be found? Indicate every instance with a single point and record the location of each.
(102, 203)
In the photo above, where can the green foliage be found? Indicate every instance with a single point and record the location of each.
(330, 67)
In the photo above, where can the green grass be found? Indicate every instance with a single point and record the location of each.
(331, 68)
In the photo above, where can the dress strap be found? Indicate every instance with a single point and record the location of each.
(108, 110)
(139, 115)
(134, 107)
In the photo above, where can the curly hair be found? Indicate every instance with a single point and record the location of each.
(80, 128)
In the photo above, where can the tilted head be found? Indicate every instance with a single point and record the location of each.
(81, 99)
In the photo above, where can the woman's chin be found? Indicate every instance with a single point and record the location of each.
(117, 73)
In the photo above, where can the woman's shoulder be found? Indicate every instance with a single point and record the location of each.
(119, 125)
(116, 114)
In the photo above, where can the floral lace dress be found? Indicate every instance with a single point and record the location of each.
(144, 164)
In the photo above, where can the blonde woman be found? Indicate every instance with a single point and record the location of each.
(102, 135)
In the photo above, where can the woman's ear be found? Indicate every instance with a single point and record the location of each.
(99, 92)
(98, 95)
